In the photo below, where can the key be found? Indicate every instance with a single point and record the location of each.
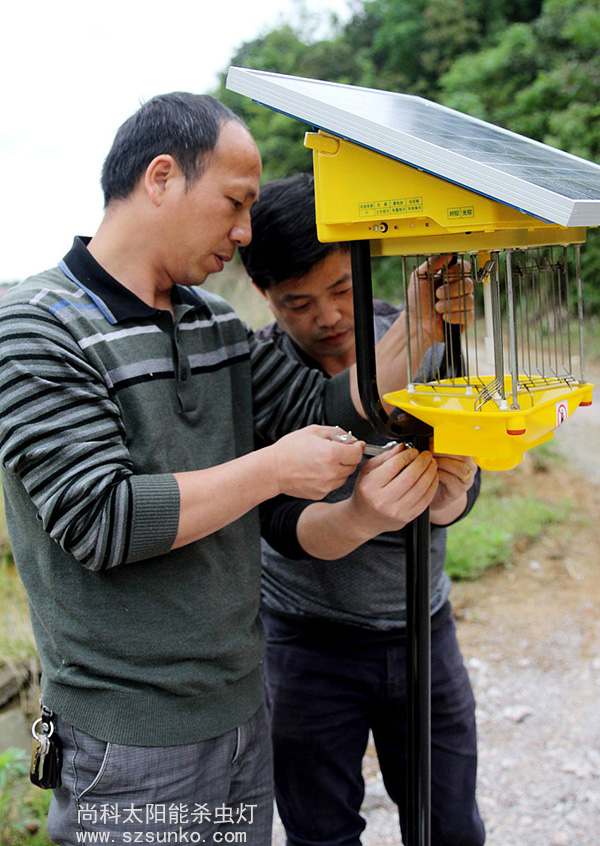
(40, 758)
(41, 745)
(46, 756)
(341, 436)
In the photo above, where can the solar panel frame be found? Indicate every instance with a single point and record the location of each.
(544, 182)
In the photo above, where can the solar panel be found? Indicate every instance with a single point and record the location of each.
(537, 179)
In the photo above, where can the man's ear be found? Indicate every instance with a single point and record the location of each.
(160, 173)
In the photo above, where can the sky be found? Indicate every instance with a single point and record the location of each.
(72, 71)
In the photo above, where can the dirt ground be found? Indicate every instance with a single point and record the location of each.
(530, 636)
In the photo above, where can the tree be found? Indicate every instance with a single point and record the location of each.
(284, 50)
(527, 65)
(397, 45)
(541, 79)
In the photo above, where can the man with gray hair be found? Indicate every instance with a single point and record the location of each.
(128, 407)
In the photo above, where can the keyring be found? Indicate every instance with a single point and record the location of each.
(48, 734)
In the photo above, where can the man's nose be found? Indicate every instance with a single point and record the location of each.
(241, 233)
(328, 314)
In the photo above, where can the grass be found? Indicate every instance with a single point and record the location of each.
(23, 807)
(504, 520)
(488, 536)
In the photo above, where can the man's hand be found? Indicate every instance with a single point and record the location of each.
(309, 463)
(456, 475)
(393, 488)
(438, 293)
(306, 464)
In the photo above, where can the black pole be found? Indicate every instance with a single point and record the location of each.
(418, 567)
(418, 675)
(365, 343)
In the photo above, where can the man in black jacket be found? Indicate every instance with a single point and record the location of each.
(336, 614)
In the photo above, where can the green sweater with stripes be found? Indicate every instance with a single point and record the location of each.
(102, 399)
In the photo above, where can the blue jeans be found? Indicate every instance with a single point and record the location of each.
(325, 696)
(207, 792)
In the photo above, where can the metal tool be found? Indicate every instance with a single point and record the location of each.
(370, 449)
(375, 449)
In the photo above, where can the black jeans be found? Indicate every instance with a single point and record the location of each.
(325, 696)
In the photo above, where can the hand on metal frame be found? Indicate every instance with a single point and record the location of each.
(440, 291)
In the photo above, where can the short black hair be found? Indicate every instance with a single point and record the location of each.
(183, 125)
(284, 233)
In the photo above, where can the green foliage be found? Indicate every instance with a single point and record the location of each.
(541, 79)
(13, 765)
(590, 271)
(397, 46)
(23, 808)
(525, 65)
(487, 537)
(287, 50)
(528, 66)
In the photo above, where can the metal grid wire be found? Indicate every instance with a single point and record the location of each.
(528, 327)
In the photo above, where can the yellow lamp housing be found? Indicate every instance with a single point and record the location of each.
(361, 194)
(495, 438)
(495, 417)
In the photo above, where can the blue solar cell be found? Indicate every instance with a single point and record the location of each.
(541, 180)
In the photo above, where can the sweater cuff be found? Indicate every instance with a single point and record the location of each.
(155, 515)
(340, 410)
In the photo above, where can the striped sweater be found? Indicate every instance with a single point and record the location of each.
(102, 399)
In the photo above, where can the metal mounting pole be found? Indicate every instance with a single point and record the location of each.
(418, 567)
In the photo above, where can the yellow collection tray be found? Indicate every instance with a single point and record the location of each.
(496, 437)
